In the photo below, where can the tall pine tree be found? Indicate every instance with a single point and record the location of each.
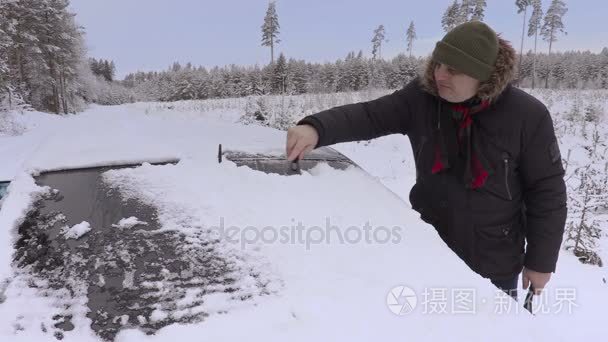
(411, 36)
(522, 6)
(450, 17)
(46, 54)
(270, 29)
(5, 85)
(533, 30)
(377, 40)
(553, 24)
(466, 11)
(478, 12)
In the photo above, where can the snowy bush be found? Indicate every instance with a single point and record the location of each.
(8, 126)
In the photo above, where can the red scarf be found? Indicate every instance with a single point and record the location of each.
(475, 173)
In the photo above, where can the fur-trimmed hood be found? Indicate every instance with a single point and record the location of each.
(503, 73)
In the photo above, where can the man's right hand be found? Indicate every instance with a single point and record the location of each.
(301, 139)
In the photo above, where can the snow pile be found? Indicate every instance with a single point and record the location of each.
(128, 223)
(23, 192)
(76, 231)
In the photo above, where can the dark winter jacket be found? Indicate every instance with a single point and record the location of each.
(522, 200)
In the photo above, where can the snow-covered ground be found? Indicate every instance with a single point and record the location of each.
(290, 288)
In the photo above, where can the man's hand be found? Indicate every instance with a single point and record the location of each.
(301, 139)
(538, 280)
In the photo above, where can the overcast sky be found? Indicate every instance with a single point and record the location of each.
(152, 34)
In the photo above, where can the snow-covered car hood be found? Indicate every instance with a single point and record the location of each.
(229, 252)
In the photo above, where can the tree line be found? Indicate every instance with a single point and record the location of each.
(44, 64)
(566, 70)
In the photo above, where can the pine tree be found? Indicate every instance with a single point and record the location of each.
(533, 29)
(5, 82)
(297, 77)
(450, 17)
(522, 6)
(478, 12)
(94, 65)
(583, 232)
(47, 52)
(377, 40)
(107, 70)
(411, 36)
(279, 77)
(21, 20)
(465, 12)
(378, 74)
(604, 68)
(112, 70)
(553, 25)
(270, 29)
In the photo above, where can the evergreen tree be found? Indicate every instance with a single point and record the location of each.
(450, 17)
(584, 232)
(411, 36)
(465, 12)
(604, 68)
(377, 40)
(46, 54)
(533, 30)
(5, 84)
(112, 70)
(478, 12)
(522, 6)
(279, 77)
(270, 29)
(553, 24)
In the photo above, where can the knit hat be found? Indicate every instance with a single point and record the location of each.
(471, 48)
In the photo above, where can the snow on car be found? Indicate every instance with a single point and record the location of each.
(232, 250)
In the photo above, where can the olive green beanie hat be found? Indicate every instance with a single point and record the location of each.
(470, 48)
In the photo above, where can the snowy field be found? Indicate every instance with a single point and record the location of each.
(288, 290)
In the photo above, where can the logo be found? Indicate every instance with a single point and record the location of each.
(401, 300)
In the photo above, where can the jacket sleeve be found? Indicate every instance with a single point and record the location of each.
(545, 195)
(388, 114)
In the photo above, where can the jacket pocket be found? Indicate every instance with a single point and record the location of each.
(503, 183)
(420, 203)
(499, 249)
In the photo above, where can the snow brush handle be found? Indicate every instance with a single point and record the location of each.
(294, 165)
(528, 301)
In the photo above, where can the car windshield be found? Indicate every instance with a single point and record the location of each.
(128, 251)
(3, 189)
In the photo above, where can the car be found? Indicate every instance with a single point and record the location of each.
(227, 244)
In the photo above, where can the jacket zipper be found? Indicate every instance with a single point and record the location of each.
(423, 141)
(506, 161)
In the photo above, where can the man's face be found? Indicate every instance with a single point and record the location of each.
(454, 86)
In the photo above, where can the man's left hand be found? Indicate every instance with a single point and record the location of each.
(538, 280)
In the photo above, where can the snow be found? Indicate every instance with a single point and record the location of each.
(284, 230)
(23, 192)
(76, 231)
(128, 223)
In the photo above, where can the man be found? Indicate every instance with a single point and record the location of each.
(489, 171)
